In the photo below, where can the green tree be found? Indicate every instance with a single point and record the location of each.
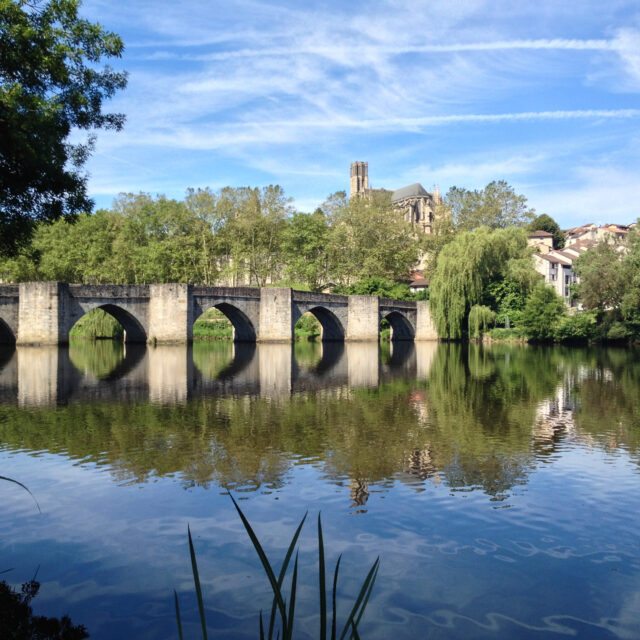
(542, 313)
(368, 238)
(630, 305)
(544, 222)
(480, 318)
(496, 206)
(466, 268)
(381, 287)
(602, 278)
(50, 84)
(304, 246)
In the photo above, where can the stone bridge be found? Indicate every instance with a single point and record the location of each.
(44, 312)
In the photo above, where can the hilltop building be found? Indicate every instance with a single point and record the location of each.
(591, 232)
(414, 201)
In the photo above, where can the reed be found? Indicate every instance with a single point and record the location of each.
(282, 616)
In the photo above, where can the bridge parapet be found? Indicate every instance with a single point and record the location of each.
(226, 292)
(409, 305)
(9, 290)
(109, 291)
(319, 298)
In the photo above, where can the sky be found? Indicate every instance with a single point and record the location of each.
(543, 94)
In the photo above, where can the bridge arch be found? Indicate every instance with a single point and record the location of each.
(133, 329)
(332, 328)
(243, 329)
(401, 327)
(6, 333)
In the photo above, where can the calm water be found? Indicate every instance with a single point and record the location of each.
(500, 486)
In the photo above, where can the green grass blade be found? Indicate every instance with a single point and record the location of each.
(323, 586)
(360, 598)
(283, 571)
(24, 487)
(196, 580)
(366, 598)
(277, 592)
(178, 618)
(292, 604)
(334, 596)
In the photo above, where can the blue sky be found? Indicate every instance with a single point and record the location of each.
(544, 94)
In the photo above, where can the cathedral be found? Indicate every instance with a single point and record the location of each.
(415, 202)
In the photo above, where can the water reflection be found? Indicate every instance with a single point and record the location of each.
(467, 416)
(488, 476)
(46, 376)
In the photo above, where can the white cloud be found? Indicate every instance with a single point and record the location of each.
(627, 45)
(599, 194)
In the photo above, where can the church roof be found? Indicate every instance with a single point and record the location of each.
(410, 191)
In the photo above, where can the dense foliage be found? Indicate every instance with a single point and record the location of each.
(234, 236)
(50, 85)
(467, 267)
(610, 287)
(18, 622)
(480, 319)
(496, 206)
(542, 313)
(545, 222)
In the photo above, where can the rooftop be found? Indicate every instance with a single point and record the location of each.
(410, 191)
(540, 234)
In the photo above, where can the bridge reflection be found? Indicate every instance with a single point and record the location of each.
(106, 371)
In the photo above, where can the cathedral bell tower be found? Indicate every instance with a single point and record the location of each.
(359, 179)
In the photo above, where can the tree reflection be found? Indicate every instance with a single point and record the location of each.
(483, 419)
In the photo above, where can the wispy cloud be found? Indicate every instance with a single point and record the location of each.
(255, 91)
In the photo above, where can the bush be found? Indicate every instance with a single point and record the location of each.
(542, 313)
(378, 287)
(308, 328)
(618, 331)
(578, 327)
(480, 318)
(514, 334)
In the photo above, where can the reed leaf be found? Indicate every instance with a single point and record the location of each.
(366, 598)
(24, 487)
(196, 580)
(178, 617)
(334, 595)
(292, 604)
(261, 627)
(323, 586)
(277, 592)
(363, 590)
(283, 571)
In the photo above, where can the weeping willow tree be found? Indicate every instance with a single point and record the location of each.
(467, 265)
(480, 318)
(97, 324)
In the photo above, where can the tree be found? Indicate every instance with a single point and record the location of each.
(304, 246)
(630, 305)
(480, 318)
(602, 278)
(542, 313)
(369, 238)
(466, 268)
(496, 206)
(544, 222)
(51, 85)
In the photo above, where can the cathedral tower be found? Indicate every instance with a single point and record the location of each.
(359, 178)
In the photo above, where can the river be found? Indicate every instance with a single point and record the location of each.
(499, 485)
